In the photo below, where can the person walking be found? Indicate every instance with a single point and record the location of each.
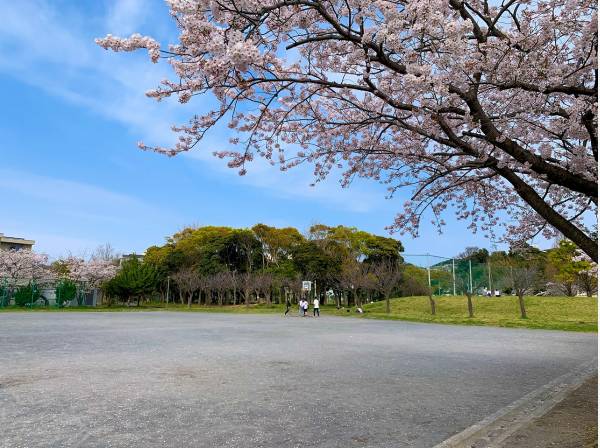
(305, 306)
(316, 307)
(287, 305)
(301, 307)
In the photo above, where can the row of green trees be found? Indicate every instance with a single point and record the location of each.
(224, 265)
(251, 259)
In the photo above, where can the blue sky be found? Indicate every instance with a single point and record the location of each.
(71, 176)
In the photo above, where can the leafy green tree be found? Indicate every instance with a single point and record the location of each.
(315, 263)
(27, 295)
(65, 291)
(414, 281)
(475, 254)
(564, 266)
(355, 243)
(277, 244)
(135, 280)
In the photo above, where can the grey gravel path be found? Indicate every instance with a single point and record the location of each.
(162, 379)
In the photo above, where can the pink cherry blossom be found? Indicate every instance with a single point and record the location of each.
(485, 109)
(23, 265)
(92, 272)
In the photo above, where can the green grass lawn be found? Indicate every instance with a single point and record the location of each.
(555, 313)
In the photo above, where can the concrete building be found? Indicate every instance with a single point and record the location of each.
(13, 243)
(126, 257)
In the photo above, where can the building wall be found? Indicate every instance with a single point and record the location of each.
(12, 243)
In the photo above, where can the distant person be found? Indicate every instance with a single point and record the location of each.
(287, 305)
(301, 308)
(305, 306)
(497, 293)
(316, 307)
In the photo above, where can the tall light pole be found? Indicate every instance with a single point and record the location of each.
(470, 278)
(489, 274)
(168, 286)
(428, 272)
(453, 279)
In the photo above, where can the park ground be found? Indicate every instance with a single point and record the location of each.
(573, 423)
(172, 379)
(551, 313)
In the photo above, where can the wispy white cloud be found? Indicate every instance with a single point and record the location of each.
(126, 16)
(55, 53)
(362, 197)
(296, 184)
(79, 197)
(65, 215)
(113, 85)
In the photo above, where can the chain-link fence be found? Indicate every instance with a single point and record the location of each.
(451, 276)
(31, 293)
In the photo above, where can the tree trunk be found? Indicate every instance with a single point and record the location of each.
(190, 297)
(432, 304)
(247, 297)
(570, 289)
(470, 304)
(387, 304)
(563, 225)
(522, 307)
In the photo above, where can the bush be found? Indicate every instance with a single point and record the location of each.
(65, 292)
(26, 295)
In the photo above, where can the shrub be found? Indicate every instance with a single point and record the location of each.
(65, 292)
(26, 295)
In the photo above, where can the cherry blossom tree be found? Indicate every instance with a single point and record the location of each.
(92, 272)
(484, 108)
(387, 277)
(189, 281)
(20, 265)
(587, 277)
(524, 277)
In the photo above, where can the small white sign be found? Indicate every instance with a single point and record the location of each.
(306, 285)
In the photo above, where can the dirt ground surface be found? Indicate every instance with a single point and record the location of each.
(573, 423)
(176, 380)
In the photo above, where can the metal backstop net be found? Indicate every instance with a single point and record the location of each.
(452, 276)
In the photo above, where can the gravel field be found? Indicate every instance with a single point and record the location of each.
(167, 379)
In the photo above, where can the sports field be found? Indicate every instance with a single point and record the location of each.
(550, 313)
(171, 379)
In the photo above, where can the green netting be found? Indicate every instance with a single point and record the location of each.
(447, 276)
(43, 293)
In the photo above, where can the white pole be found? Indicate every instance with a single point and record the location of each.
(489, 274)
(453, 278)
(428, 272)
(168, 285)
(470, 278)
